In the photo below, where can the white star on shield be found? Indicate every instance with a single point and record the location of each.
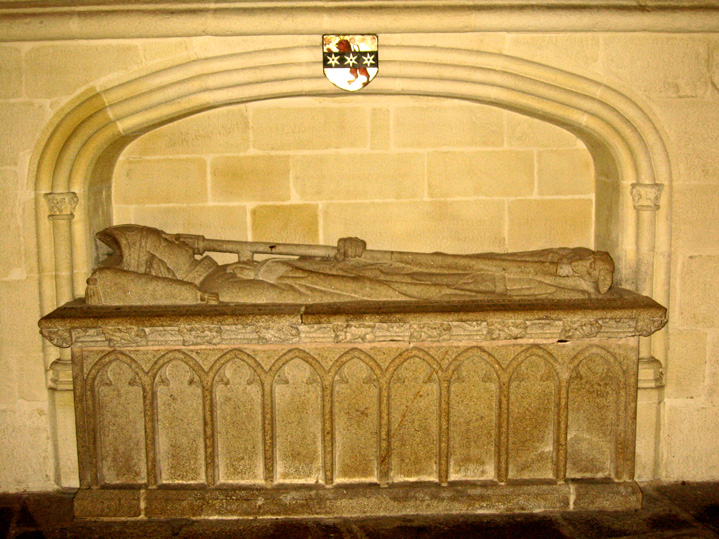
(351, 59)
(333, 60)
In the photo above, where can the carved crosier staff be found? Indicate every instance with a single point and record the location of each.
(564, 273)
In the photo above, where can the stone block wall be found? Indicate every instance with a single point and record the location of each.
(423, 174)
(411, 170)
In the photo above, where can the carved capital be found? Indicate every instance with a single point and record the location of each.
(646, 196)
(61, 205)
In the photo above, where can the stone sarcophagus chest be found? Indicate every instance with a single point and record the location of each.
(355, 408)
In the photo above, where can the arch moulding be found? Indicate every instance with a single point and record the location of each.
(73, 165)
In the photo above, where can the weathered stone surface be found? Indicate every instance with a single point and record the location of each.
(12, 261)
(249, 178)
(450, 125)
(492, 173)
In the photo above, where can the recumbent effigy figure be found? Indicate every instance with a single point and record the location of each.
(151, 267)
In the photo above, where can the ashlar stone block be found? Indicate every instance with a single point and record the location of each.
(659, 65)
(212, 221)
(697, 284)
(10, 72)
(526, 132)
(450, 125)
(224, 130)
(285, 223)
(74, 65)
(544, 223)
(695, 217)
(309, 128)
(449, 226)
(565, 172)
(491, 173)
(179, 180)
(250, 178)
(686, 366)
(21, 123)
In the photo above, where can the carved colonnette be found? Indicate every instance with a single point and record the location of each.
(398, 407)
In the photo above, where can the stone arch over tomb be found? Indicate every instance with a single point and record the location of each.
(72, 167)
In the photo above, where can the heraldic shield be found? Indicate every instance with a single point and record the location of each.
(350, 62)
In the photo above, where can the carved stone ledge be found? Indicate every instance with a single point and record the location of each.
(646, 197)
(61, 205)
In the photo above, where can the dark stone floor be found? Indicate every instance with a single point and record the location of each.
(688, 511)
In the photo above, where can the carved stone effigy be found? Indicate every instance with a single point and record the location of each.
(518, 393)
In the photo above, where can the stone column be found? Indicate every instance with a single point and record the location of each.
(62, 421)
(646, 198)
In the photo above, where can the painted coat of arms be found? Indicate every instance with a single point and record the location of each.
(350, 62)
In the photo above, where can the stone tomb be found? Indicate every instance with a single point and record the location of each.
(357, 408)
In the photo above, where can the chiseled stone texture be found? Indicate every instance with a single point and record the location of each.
(250, 178)
(171, 180)
(451, 226)
(75, 65)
